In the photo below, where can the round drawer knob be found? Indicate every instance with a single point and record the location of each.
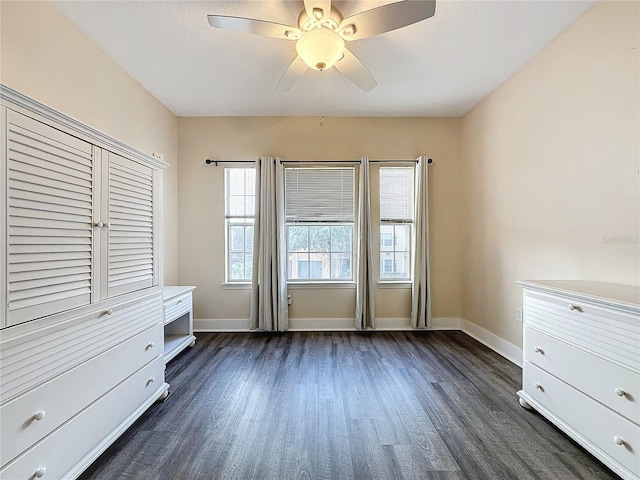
(39, 415)
(618, 440)
(539, 350)
(620, 392)
(99, 224)
(538, 386)
(109, 312)
(574, 307)
(151, 380)
(39, 473)
(179, 302)
(106, 225)
(150, 346)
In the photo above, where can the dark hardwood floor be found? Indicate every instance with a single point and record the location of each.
(343, 405)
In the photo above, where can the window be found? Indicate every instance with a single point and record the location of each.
(396, 222)
(239, 188)
(319, 206)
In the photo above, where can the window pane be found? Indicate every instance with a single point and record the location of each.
(298, 239)
(236, 206)
(386, 265)
(316, 267)
(236, 266)
(319, 266)
(386, 237)
(298, 265)
(248, 238)
(401, 264)
(248, 266)
(319, 239)
(341, 266)
(303, 269)
(249, 206)
(403, 237)
(235, 181)
(250, 181)
(236, 238)
(341, 236)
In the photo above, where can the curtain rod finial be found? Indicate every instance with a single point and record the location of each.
(429, 160)
(208, 161)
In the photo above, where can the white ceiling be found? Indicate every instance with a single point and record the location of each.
(440, 67)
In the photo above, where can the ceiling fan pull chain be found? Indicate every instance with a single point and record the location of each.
(322, 89)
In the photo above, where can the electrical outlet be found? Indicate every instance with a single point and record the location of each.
(289, 298)
(519, 315)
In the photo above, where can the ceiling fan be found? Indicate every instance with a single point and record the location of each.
(322, 32)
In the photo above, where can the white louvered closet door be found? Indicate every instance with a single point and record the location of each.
(131, 252)
(49, 194)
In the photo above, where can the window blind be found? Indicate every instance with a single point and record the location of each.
(396, 194)
(316, 194)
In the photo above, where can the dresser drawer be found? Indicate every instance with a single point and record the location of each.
(176, 307)
(75, 443)
(601, 426)
(615, 386)
(607, 332)
(64, 396)
(35, 358)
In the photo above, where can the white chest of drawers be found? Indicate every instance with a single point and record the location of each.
(581, 367)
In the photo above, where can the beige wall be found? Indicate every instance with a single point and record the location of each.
(202, 203)
(45, 57)
(550, 162)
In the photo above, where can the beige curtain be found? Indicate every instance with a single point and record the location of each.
(365, 281)
(420, 289)
(269, 309)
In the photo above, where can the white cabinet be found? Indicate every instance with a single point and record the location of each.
(81, 221)
(81, 309)
(581, 365)
(178, 320)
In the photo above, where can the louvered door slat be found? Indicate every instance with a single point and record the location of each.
(46, 194)
(128, 195)
(49, 220)
(131, 228)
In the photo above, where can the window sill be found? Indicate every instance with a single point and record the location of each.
(317, 285)
(236, 286)
(391, 284)
(293, 286)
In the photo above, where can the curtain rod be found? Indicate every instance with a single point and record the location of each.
(208, 161)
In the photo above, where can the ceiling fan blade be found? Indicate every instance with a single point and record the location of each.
(291, 75)
(257, 27)
(323, 5)
(355, 71)
(386, 18)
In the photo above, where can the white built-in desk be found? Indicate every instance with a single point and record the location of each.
(178, 320)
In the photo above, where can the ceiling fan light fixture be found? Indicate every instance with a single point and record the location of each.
(320, 48)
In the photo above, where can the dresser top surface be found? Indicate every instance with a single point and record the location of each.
(174, 291)
(597, 291)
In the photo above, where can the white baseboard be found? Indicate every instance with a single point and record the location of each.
(495, 343)
(221, 325)
(322, 324)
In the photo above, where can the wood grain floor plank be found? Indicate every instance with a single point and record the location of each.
(343, 405)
